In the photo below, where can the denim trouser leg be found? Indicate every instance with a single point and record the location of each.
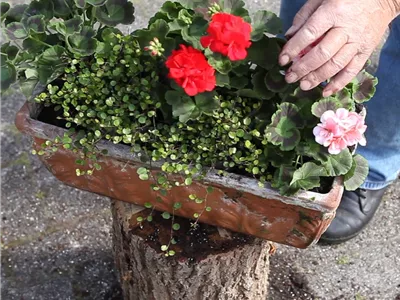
(383, 117)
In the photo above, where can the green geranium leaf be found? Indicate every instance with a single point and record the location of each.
(62, 8)
(283, 130)
(36, 24)
(275, 81)
(195, 31)
(177, 25)
(160, 30)
(3, 59)
(234, 7)
(28, 86)
(8, 75)
(344, 97)
(223, 80)
(308, 176)
(260, 88)
(53, 55)
(5, 7)
(33, 45)
(239, 82)
(160, 16)
(248, 93)
(15, 14)
(331, 103)
(357, 174)
(31, 74)
(115, 12)
(296, 95)
(257, 52)
(73, 25)
(40, 7)
(265, 22)
(192, 4)
(220, 63)
(15, 31)
(240, 68)
(82, 43)
(207, 102)
(10, 51)
(80, 3)
(171, 9)
(96, 2)
(304, 101)
(312, 149)
(51, 64)
(338, 164)
(182, 106)
(364, 87)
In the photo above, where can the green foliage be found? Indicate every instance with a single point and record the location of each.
(265, 22)
(114, 87)
(331, 103)
(364, 87)
(284, 128)
(115, 12)
(308, 176)
(61, 27)
(357, 174)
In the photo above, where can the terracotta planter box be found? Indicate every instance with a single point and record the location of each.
(237, 202)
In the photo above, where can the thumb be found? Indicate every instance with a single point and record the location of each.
(302, 16)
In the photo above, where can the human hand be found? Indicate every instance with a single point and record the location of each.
(350, 30)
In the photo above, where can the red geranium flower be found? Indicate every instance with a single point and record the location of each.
(228, 35)
(191, 70)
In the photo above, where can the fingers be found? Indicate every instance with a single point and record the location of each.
(317, 25)
(302, 16)
(346, 75)
(319, 55)
(332, 67)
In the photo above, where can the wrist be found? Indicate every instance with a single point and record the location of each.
(393, 6)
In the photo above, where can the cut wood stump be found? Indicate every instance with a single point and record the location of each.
(209, 262)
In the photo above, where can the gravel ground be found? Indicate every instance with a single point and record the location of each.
(56, 240)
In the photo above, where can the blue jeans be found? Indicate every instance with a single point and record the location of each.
(383, 117)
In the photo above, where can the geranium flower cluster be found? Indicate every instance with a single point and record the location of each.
(339, 130)
(228, 35)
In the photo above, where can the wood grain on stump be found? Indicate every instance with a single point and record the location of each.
(210, 263)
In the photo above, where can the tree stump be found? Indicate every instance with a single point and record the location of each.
(209, 262)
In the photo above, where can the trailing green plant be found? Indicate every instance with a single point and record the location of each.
(178, 93)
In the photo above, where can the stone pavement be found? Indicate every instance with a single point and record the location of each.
(56, 241)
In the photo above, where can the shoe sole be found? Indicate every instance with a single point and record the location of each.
(333, 241)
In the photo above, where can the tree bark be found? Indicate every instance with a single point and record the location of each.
(238, 272)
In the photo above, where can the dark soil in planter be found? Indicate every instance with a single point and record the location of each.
(193, 243)
(49, 115)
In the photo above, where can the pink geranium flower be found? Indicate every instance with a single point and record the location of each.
(339, 130)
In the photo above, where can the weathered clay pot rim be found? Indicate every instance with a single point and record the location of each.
(26, 122)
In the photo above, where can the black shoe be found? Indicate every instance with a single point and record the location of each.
(354, 212)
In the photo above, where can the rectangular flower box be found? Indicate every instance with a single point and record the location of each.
(237, 202)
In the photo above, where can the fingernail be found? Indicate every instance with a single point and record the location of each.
(290, 31)
(305, 85)
(291, 77)
(284, 60)
(327, 93)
